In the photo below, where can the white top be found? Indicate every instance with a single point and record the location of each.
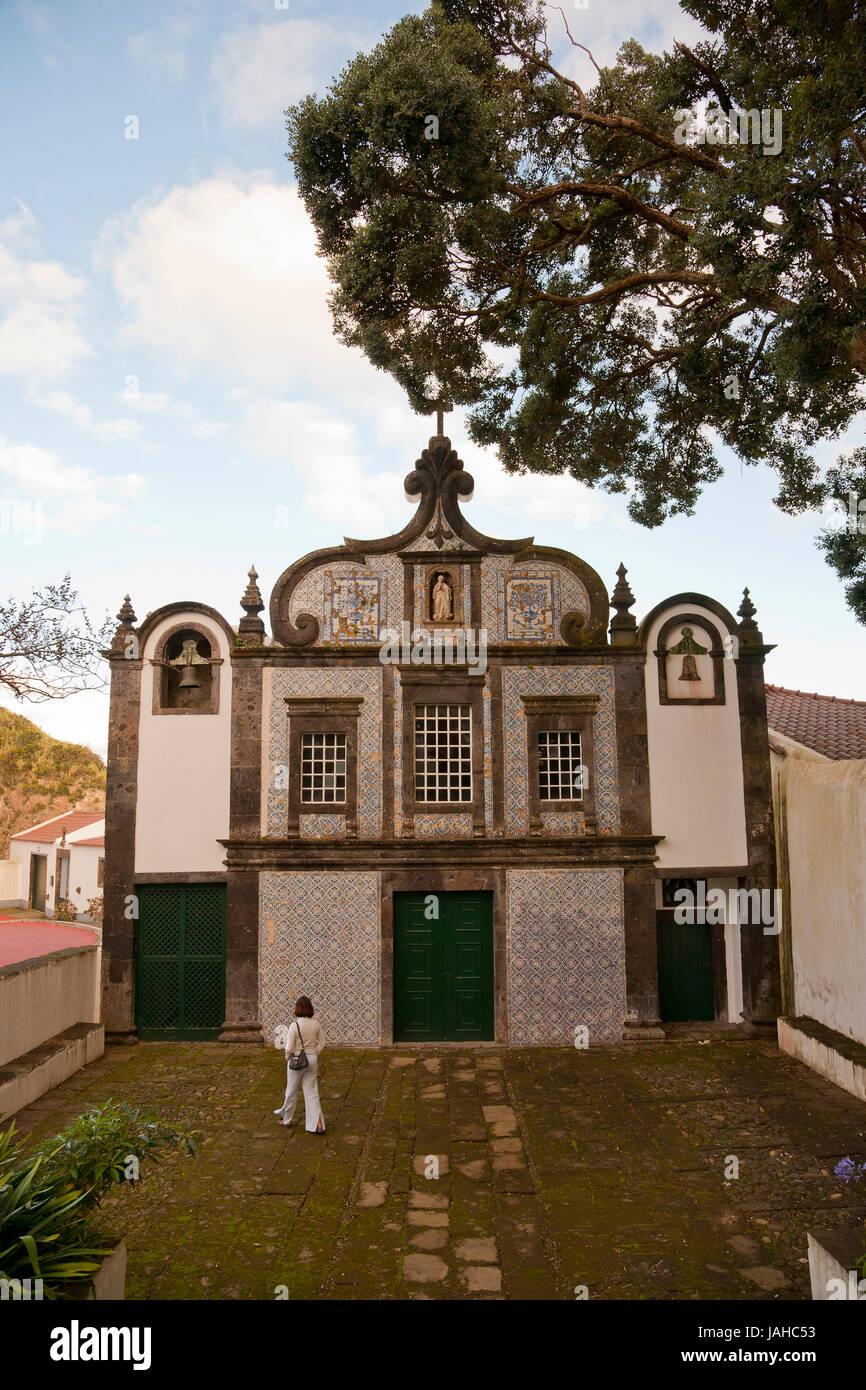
(312, 1034)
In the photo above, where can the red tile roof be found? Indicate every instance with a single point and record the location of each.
(51, 830)
(97, 842)
(834, 727)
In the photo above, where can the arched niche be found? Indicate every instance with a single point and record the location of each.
(186, 662)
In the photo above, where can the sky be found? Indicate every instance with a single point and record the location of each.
(174, 406)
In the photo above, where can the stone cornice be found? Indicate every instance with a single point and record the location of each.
(551, 852)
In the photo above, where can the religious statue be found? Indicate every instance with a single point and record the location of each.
(441, 599)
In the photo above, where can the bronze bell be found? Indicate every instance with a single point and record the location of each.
(188, 679)
(689, 671)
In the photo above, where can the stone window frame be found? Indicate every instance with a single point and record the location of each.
(716, 652)
(100, 871)
(160, 664)
(433, 687)
(323, 715)
(573, 713)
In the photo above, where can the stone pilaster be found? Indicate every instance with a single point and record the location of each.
(760, 952)
(242, 1022)
(121, 791)
(641, 952)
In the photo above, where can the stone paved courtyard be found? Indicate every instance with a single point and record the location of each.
(557, 1168)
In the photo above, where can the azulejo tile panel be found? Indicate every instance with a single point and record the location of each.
(458, 824)
(352, 602)
(526, 602)
(559, 680)
(327, 680)
(562, 822)
(319, 934)
(321, 827)
(566, 955)
(398, 754)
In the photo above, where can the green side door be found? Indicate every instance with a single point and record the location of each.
(443, 967)
(685, 954)
(180, 957)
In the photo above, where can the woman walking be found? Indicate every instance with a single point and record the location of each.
(306, 1035)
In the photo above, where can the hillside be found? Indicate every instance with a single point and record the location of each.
(41, 776)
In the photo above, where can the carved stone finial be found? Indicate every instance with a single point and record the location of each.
(251, 625)
(747, 611)
(623, 626)
(126, 615)
(125, 629)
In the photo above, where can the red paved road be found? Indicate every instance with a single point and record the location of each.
(24, 940)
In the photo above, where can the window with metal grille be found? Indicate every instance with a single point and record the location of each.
(323, 768)
(443, 753)
(559, 764)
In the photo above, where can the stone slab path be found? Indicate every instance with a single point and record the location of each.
(481, 1173)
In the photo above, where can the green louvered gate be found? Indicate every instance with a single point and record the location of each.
(180, 981)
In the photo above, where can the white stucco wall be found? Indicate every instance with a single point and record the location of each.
(183, 769)
(696, 765)
(825, 804)
(13, 885)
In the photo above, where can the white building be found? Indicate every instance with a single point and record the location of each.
(59, 858)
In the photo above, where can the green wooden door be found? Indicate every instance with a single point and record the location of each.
(180, 955)
(443, 967)
(685, 971)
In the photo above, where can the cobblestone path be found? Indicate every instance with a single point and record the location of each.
(558, 1170)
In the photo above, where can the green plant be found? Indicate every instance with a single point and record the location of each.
(94, 909)
(64, 910)
(49, 1197)
(94, 1150)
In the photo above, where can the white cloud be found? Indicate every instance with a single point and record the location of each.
(62, 403)
(75, 498)
(41, 306)
(324, 453)
(260, 69)
(224, 276)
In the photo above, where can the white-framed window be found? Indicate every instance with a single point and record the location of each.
(443, 753)
(323, 768)
(559, 765)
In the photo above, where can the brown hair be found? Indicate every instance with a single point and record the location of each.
(304, 1007)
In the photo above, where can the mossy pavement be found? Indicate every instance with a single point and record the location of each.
(561, 1172)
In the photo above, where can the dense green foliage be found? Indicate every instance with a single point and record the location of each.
(611, 296)
(49, 1197)
(41, 776)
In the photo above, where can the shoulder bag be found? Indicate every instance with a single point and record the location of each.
(297, 1063)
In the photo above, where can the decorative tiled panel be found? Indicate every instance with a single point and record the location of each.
(321, 827)
(566, 957)
(562, 822)
(398, 754)
(525, 602)
(488, 759)
(459, 824)
(315, 684)
(319, 935)
(559, 680)
(352, 602)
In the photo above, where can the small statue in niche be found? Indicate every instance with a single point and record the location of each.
(442, 610)
(688, 648)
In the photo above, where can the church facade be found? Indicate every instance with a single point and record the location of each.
(447, 796)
